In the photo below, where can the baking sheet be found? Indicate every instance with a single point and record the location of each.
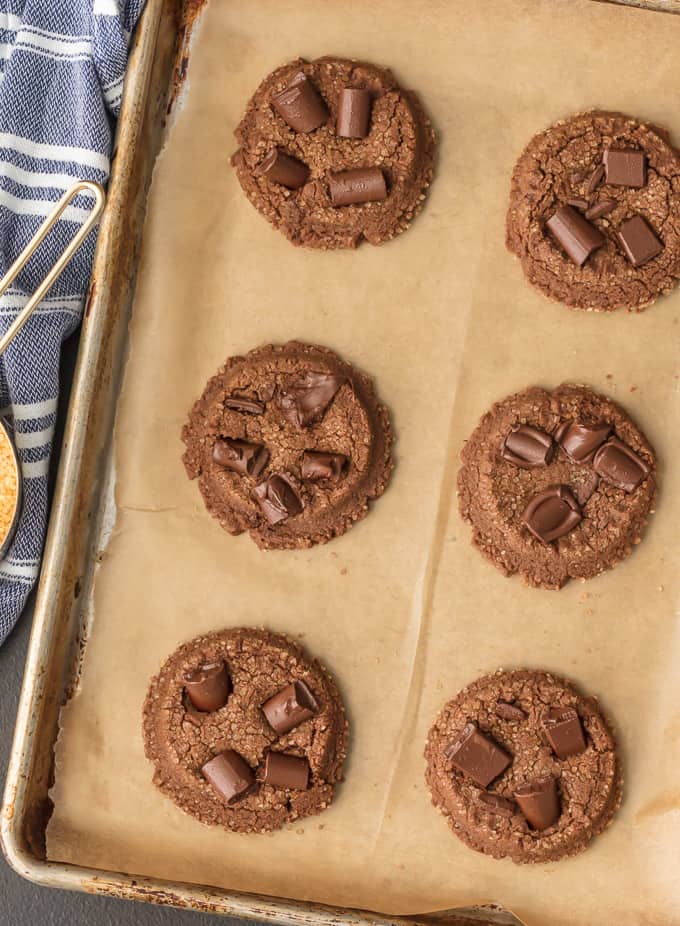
(401, 608)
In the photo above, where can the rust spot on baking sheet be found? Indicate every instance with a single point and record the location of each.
(190, 12)
(260, 907)
(90, 297)
(140, 892)
(652, 6)
(8, 808)
(35, 820)
(75, 675)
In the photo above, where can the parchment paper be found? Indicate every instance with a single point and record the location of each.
(401, 608)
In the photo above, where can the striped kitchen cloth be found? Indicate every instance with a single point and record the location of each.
(62, 66)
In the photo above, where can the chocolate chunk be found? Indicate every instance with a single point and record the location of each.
(230, 775)
(526, 446)
(305, 400)
(317, 465)
(359, 185)
(191, 715)
(625, 167)
(576, 235)
(604, 207)
(496, 804)
(580, 441)
(279, 167)
(240, 456)
(300, 106)
(510, 711)
(278, 498)
(563, 728)
(581, 204)
(477, 756)
(596, 178)
(354, 113)
(290, 707)
(577, 176)
(552, 513)
(586, 486)
(638, 241)
(266, 392)
(243, 403)
(539, 802)
(620, 466)
(208, 686)
(284, 771)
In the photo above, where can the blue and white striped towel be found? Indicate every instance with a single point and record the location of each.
(62, 66)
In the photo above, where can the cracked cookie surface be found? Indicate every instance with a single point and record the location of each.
(348, 423)
(555, 168)
(589, 784)
(494, 493)
(400, 142)
(179, 741)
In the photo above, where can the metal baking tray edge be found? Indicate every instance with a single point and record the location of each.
(157, 65)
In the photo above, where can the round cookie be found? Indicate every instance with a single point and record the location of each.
(290, 443)
(529, 719)
(556, 485)
(181, 740)
(564, 165)
(400, 143)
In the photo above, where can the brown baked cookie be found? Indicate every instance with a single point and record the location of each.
(245, 730)
(289, 443)
(334, 151)
(556, 485)
(523, 766)
(594, 212)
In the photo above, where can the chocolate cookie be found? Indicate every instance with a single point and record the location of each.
(594, 212)
(334, 151)
(245, 731)
(523, 766)
(556, 485)
(290, 443)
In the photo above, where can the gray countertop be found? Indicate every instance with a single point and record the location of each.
(26, 904)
